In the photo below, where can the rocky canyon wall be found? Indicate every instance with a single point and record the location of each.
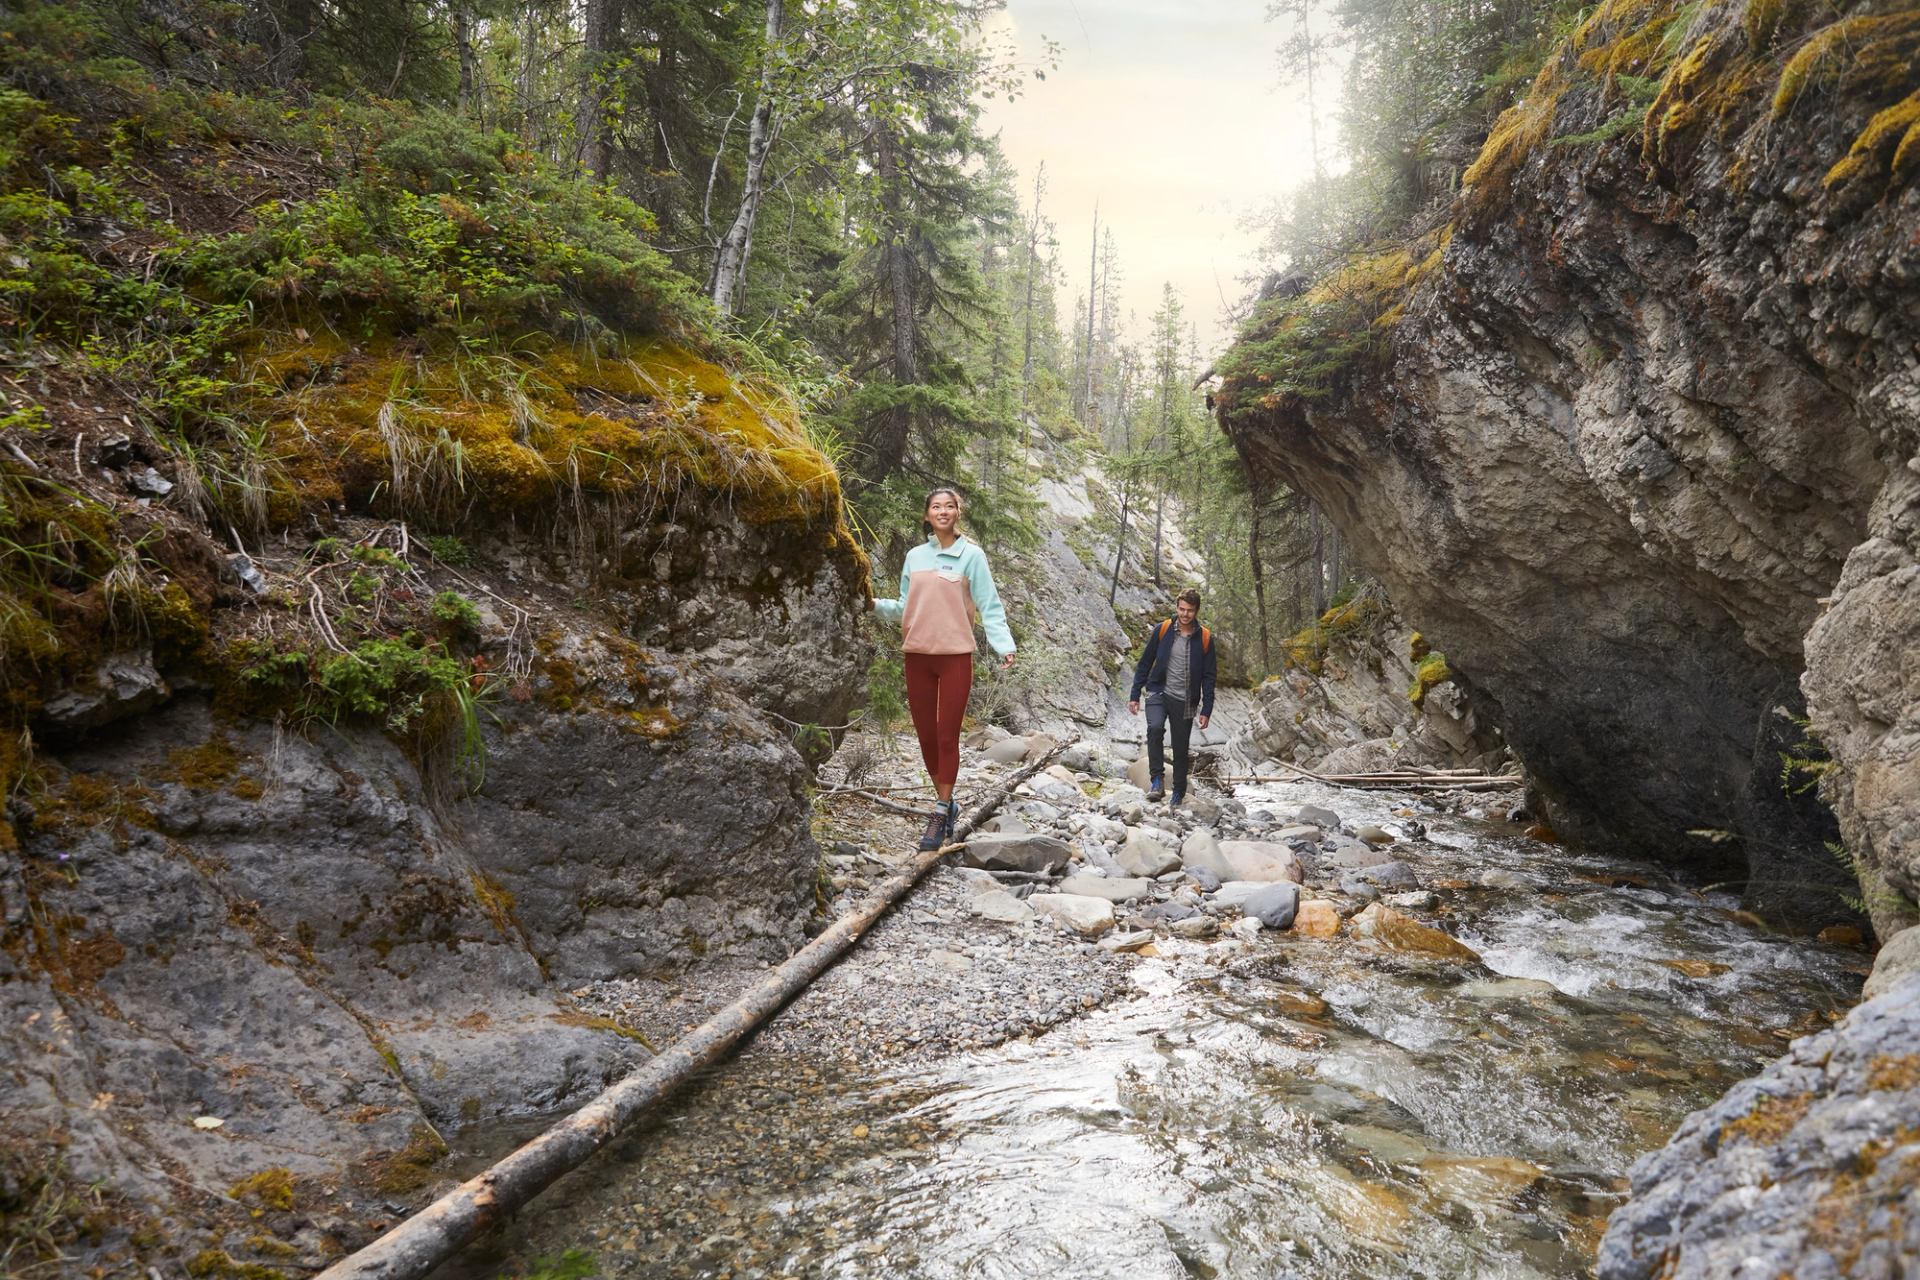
(1633, 436)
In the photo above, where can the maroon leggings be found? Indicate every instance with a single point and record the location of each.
(937, 688)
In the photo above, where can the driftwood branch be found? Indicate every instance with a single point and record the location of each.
(431, 1236)
(1395, 780)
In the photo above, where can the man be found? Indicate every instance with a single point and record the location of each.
(1176, 670)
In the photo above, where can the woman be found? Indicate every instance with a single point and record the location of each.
(943, 581)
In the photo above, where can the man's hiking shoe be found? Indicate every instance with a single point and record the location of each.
(1156, 793)
(936, 829)
(1177, 797)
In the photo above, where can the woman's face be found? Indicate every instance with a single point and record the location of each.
(943, 512)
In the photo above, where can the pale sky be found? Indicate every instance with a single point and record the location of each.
(1171, 114)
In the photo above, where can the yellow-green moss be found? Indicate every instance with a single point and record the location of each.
(592, 1022)
(1431, 670)
(510, 434)
(215, 1264)
(272, 1247)
(654, 723)
(267, 1189)
(1520, 129)
(1770, 1120)
(1875, 50)
(1891, 137)
(204, 767)
(410, 1168)
(496, 900)
(1894, 1072)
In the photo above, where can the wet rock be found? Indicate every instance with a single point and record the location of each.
(1002, 907)
(1808, 1164)
(1317, 918)
(1481, 1182)
(1142, 855)
(1113, 889)
(1417, 901)
(1507, 989)
(1088, 916)
(1388, 875)
(1396, 932)
(1029, 853)
(1346, 853)
(1499, 878)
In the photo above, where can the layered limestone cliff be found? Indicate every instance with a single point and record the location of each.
(1633, 434)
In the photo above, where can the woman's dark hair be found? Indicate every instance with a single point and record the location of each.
(926, 525)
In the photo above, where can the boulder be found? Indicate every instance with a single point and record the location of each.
(1060, 773)
(1371, 834)
(1137, 774)
(1111, 888)
(1348, 854)
(1089, 916)
(1317, 918)
(1142, 855)
(1010, 852)
(1299, 833)
(1418, 901)
(1241, 859)
(1001, 906)
(1392, 874)
(1007, 751)
(1388, 928)
(1131, 941)
(1039, 745)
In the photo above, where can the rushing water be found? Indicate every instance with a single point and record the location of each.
(1309, 1108)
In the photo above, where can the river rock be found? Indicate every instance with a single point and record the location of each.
(1392, 874)
(1396, 932)
(1317, 918)
(1111, 888)
(1060, 773)
(1417, 901)
(1371, 834)
(1200, 807)
(1131, 941)
(1500, 878)
(1348, 854)
(1029, 853)
(1142, 855)
(1097, 827)
(985, 736)
(1002, 907)
(1273, 903)
(1005, 824)
(1137, 774)
(1165, 913)
(1007, 751)
(1039, 745)
(1806, 1165)
(1299, 834)
(1507, 989)
(1313, 815)
(1088, 916)
(1256, 860)
(1206, 879)
(1077, 758)
(1194, 926)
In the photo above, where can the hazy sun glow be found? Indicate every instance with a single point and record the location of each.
(1171, 114)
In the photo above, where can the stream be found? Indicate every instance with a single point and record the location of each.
(1293, 1108)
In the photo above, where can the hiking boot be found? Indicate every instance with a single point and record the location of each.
(953, 817)
(1173, 801)
(1156, 793)
(936, 828)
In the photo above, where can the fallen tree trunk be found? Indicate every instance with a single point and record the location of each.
(1394, 780)
(431, 1236)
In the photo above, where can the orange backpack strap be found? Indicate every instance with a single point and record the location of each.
(1160, 632)
(1206, 640)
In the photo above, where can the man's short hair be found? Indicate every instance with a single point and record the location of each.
(1189, 596)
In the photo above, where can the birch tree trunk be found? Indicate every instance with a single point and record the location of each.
(730, 260)
(1259, 587)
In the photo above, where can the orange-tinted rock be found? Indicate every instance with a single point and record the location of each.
(1317, 918)
(1397, 932)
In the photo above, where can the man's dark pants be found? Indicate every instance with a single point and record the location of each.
(1182, 725)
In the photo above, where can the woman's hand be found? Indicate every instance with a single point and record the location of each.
(1006, 663)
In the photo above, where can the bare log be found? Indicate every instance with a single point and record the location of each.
(431, 1236)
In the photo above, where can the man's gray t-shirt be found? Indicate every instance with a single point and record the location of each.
(1177, 666)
